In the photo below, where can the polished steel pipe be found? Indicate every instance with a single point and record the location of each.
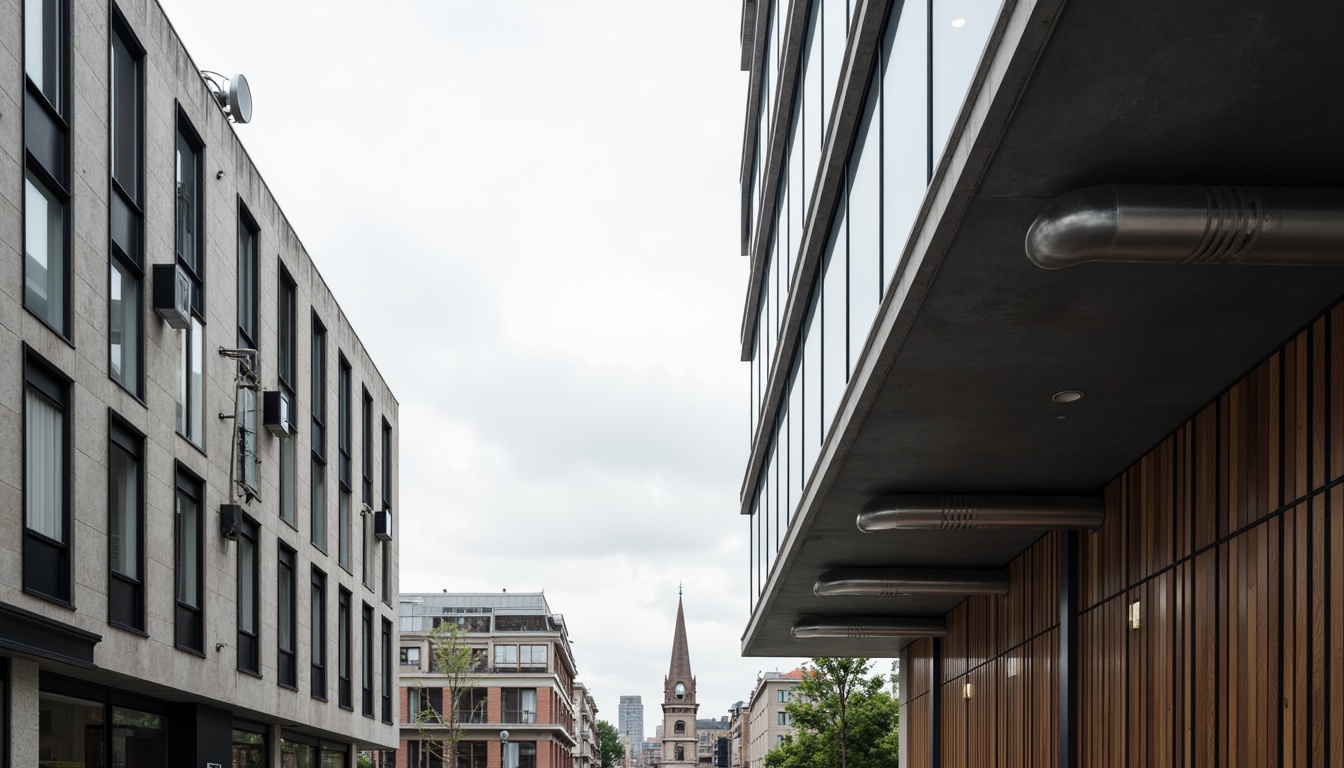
(949, 511)
(841, 582)
(1156, 224)
(869, 626)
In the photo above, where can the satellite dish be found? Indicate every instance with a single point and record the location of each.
(239, 99)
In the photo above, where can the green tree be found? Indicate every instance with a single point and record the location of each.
(609, 744)
(842, 718)
(455, 665)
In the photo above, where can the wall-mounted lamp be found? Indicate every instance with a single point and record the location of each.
(1135, 615)
(969, 692)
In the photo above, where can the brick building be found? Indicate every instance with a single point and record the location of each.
(523, 683)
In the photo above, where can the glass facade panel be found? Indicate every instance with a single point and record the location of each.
(72, 732)
(343, 531)
(249, 562)
(797, 203)
(814, 127)
(296, 755)
(813, 429)
(249, 749)
(190, 383)
(864, 214)
(125, 117)
(960, 30)
(139, 739)
(124, 326)
(247, 282)
(796, 417)
(44, 288)
(285, 634)
(287, 481)
(834, 311)
(905, 130)
(318, 505)
(123, 512)
(835, 34)
(43, 33)
(188, 204)
(44, 466)
(188, 554)
(247, 437)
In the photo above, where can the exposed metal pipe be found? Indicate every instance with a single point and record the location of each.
(869, 626)
(947, 511)
(910, 581)
(1276, 226)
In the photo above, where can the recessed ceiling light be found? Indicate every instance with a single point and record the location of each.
(1067, 396)
(958, 23)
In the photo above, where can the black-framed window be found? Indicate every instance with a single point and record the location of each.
(46, 131)
(288, 508)
(410, 656)
(188, 566)
(46, 481)
(285, 619)
(518, 705)
(87, 725)
(344, 437)
(125, 207)
(472, 754)
(387, 507)
(366, 446)
(318, 386)
(344, 650)
(249, 236)
(249, 745)
(387, 673)
(366, 655)
(249, 597)
(343, 529)
(317, 623)
(189, 213)
(366, 547)
(125, 526)
(473, 706)
(385, 558)
(286, 358)
(317, 520)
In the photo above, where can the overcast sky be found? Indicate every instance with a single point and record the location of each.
(530, 212)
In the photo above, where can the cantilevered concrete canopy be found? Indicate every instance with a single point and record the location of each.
(954, 393)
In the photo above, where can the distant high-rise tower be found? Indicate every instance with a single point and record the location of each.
(631, 722)
(680, 745)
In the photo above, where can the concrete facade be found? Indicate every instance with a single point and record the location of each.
(201, 692)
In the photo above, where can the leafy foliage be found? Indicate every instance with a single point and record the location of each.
(453, 662)
(609, 744)
(842, 719)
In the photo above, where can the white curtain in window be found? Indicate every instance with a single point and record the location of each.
(44, 482)
(528, 704)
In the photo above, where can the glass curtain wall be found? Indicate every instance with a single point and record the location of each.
(898, 141)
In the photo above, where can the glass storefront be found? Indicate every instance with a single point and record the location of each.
(73, 731)
(296, 755)
(249, 749)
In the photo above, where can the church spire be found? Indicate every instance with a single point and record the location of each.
(679, 671)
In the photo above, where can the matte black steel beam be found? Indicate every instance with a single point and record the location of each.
(949, 511)
(910, 581)
(869, 626)
(1156, 224)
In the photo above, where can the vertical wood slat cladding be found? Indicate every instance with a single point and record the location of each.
(1230, 535)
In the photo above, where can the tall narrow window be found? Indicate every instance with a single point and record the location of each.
(317, 623)
(287, 671)
(249, 594)
(318, 386)
(190, 247)
(343, 417)
(318, 396)
(286, 364)
(385, 546)
(387, 673)
(343, 649)
(46, 229)
(189, 621)
(343, 530)
(248, 235)
(367, 657)
(125, 528)
(126, 262)
(366, 548)
(46, 482)
(366, 447)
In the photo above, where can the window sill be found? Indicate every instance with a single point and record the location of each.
(127, 628)
(192, 651)
(68, 340)
(137, 398)
(49, 598)
(289, 687)
(193, 445)
(251, 672)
